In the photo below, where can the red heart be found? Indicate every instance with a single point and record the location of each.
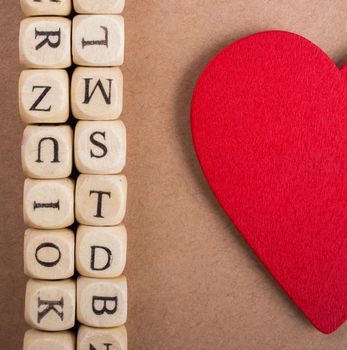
(269, 122)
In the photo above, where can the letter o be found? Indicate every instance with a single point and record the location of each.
(49, 263)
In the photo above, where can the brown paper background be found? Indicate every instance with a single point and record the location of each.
(193, 282)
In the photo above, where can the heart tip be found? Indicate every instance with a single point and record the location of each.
(326, 328)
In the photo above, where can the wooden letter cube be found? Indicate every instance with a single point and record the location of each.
(48, 204)
(102, 339)
(46, 7)
(38, 340)
(101, 251)
(100, 6)
(47, 151)
(101, 199)
(97, 93)
(50, 305)
(102, 303)
(49, 255)
(45, 42)
(44, 96)
(100, 147)
(98, 40)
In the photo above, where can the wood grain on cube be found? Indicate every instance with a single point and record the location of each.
(102, 339)
(49, 255)
(47, 151)
(101, 251)
(45, 42)
(97, 93)
(98, 40)
(100, 6)
(100, 147)
(44, 96)
(46, 7)
(48, 204)
(50, 305)
(39, 340)
(102, 302)
(101, 199)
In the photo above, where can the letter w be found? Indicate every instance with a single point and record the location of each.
(88, 95)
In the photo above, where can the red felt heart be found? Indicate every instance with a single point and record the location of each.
(269, 122)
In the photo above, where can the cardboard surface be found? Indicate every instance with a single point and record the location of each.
(193, 282)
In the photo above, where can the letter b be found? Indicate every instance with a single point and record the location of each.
(102, 303)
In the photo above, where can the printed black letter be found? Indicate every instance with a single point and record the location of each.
(47, 35)
(107, 345)
(99, 206)
(92, 259)
(88, 95)
(104, 309)
(45, 91)
(47, 263)
(50, 307)
(97, 42)
(98, 144)
(55, 150)
(52, 205)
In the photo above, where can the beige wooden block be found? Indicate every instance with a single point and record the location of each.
(97, 93)
(48, 204)
(100, 199)
(100, 6)
(47, 151)
(102, 302)
(45, 42)
(44, 96)
(46, 7)
(100, 147)
(49, 255)
(50, 305)
(102, 339)
(101, 251)
(98, 40)
(38, 340)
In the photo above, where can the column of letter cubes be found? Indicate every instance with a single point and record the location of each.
(101, 189)
(51, 199)
(47, 159)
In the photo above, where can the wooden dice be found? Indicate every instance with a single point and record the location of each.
(101, 199)
(100, 6)
(97, 93)
(46, 7)
(100, 147)
(102, 302)
(44, 96)
(44, 42)
(38, 340)
(101, 251)
(48, 204)
(101, 338)
(49, 255)
(47, 151)
(98, 40)
(50, 305)
(53, 252)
